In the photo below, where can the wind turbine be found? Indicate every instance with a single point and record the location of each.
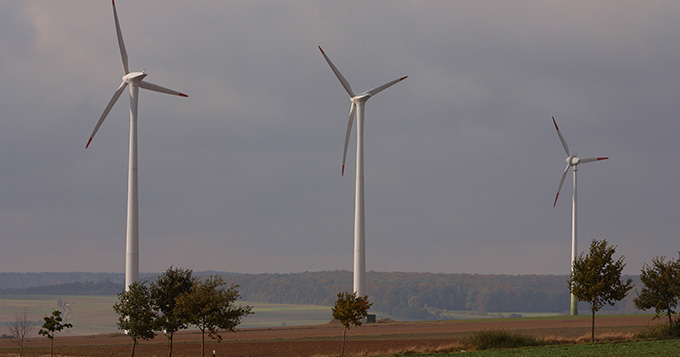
(572, 161)
(357, 107)
(135, 80)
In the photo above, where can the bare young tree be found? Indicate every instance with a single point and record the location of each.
(20, 329)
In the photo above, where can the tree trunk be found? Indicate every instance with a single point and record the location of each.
(52, 346)
(592, 330)
(670, 322)
(344, 333)
(134, 344)
(170, 343)
(202, 342)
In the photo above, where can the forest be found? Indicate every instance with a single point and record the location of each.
(417, 296)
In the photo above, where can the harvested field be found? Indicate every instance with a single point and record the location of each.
(325, 340)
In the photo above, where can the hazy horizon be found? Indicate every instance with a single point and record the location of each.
(122, 273)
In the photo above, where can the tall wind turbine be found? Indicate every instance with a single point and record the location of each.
(572, 161)
(357, 107)
(135, 80)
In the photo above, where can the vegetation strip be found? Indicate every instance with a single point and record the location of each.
(632, 348)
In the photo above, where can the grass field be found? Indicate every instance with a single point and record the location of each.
(94, 314)
(636, 348)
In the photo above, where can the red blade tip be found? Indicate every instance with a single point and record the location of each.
(88, 143)
(554, 122)
(183, 95)
(321, 49)
(558, 195)
(402, 78)
(343, 170)
(602, 158)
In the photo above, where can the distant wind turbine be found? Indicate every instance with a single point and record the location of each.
(357, 107)
(135, 80)
(573, 162)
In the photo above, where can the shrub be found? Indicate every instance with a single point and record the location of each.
(491, 339)
(660, 331)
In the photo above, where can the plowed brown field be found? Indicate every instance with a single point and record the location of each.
(325, 340)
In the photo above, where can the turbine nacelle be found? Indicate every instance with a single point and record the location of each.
(134, 77)
(361, 98)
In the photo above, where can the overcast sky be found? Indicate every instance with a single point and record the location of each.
(462, 160)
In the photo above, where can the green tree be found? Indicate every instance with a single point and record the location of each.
(51, 326)
(661, 289)
(164, 292)
(350, 310)
(210, 306)
(596, 278)
(137, 316)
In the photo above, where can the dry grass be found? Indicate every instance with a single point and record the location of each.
(447, 348)
(608, 336)
(406, 351)
(112, 334)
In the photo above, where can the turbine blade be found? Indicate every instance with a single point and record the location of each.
(381, 88)
(342, 79)
(564, 175)
(591, 159)
(157, 88)
(352, 110)
(113, 100)
(121, 45)
(564, 143)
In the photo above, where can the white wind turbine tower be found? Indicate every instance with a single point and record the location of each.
(572, 161)
(135, 80)
(358, 102)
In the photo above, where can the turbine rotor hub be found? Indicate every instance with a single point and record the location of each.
(573, 160)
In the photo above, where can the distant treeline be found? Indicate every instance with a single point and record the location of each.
(398, 295)
(421, 295)
(13, 282)
(106, 287)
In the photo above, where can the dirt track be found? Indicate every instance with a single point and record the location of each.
(324, 340)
